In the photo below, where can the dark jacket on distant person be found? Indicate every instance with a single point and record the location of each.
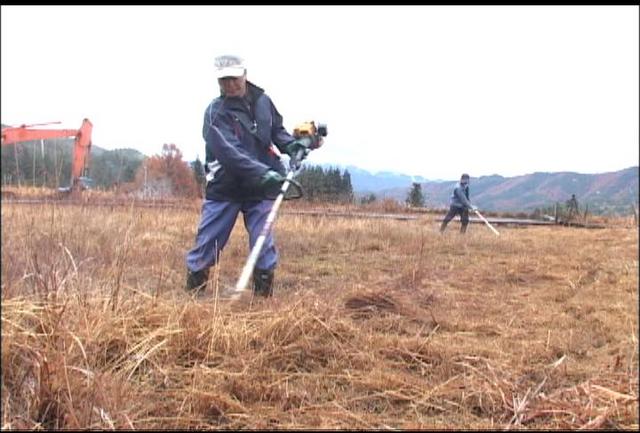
(460, 196)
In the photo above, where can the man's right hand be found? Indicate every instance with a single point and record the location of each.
(474, 208)
(294, 147)
(271, 178)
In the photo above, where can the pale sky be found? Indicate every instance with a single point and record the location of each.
(421, 90)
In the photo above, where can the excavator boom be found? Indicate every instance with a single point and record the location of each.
(81, 149)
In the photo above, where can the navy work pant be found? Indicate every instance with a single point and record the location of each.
(453, 211)
(216, 223)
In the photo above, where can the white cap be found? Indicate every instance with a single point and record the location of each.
(229, 66)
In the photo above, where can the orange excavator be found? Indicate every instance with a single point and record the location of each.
(81, 148)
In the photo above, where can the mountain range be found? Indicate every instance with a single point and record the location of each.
(605, 193)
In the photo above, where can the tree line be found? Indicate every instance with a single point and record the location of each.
(325, 185)
(48, 164)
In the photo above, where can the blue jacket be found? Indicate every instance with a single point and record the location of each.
(460, 196)
(238, 133)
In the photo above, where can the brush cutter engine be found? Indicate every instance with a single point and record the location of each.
(309, 131)
(310, 137)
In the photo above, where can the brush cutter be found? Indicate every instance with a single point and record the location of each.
(310, 137)
(486, 222)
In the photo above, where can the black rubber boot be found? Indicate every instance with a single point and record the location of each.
(197, 281)
(263, 282)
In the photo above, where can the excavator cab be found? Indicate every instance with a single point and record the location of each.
(83, 183)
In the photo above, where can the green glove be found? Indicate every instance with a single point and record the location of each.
(295, 146)
(271, 178)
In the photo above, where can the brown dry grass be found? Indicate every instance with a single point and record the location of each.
(375, 324)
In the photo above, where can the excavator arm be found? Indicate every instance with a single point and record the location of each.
(81, 148)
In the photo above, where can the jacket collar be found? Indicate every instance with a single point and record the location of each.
(253, 92)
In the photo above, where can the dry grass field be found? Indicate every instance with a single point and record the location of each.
(375, 323)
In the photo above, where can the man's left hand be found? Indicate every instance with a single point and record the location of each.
(271, 178)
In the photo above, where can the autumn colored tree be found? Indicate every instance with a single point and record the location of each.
(167, 175)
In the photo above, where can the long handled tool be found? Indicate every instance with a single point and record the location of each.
(257, 247)
(486, 222)
(307, 133)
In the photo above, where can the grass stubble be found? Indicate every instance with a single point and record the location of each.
(375, 323)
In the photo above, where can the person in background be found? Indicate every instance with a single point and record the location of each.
(459, 204)
(243, 171)
(572, 207)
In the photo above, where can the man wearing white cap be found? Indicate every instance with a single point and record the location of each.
(243, 171)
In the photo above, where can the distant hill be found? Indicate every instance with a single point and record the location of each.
(364, 182)
(605, 193)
